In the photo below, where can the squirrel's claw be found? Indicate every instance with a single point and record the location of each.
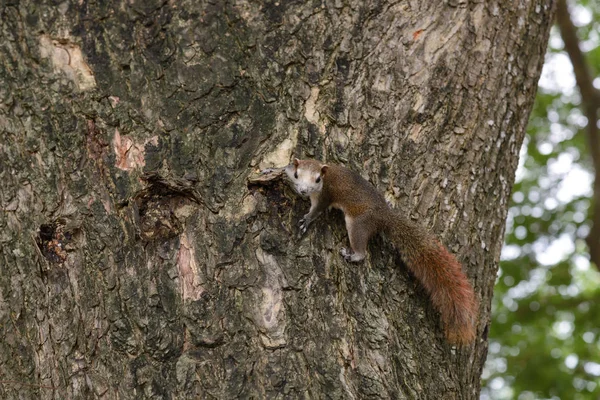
(346, 254)
(303, 223)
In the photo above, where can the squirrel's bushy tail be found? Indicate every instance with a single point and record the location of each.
(440, 273)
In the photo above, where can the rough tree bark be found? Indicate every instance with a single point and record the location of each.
(137, 260)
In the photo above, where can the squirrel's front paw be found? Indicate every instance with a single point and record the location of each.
(303, 223)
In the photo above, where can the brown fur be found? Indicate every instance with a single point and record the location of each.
(366, 213)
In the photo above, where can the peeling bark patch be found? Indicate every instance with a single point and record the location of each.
(68, 58)
(417, 33)
(130, 155)
(52, 241)
(188, 270)
(96, 146)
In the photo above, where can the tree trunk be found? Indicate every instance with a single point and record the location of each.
(137, 260)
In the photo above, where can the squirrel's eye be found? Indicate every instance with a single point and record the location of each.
(296, 175)
(318, 179)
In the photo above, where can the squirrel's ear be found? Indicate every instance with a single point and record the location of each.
(324, 169)
(296, 162)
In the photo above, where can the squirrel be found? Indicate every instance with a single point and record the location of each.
(366, 212)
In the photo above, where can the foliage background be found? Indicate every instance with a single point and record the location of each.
(545, 335)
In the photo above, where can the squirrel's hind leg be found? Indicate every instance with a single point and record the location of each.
(359, 230)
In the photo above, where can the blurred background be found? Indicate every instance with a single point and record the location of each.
(545, 334)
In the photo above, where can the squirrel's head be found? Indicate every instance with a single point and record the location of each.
(306, 176)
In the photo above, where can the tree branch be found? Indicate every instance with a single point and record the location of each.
(590, 104)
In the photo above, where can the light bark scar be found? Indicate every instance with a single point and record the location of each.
(68, 58)
(310, 112)
(270, 307)
(280, 155)
(270, 314)
(383, 83)
(191, 288)
(130, 155)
